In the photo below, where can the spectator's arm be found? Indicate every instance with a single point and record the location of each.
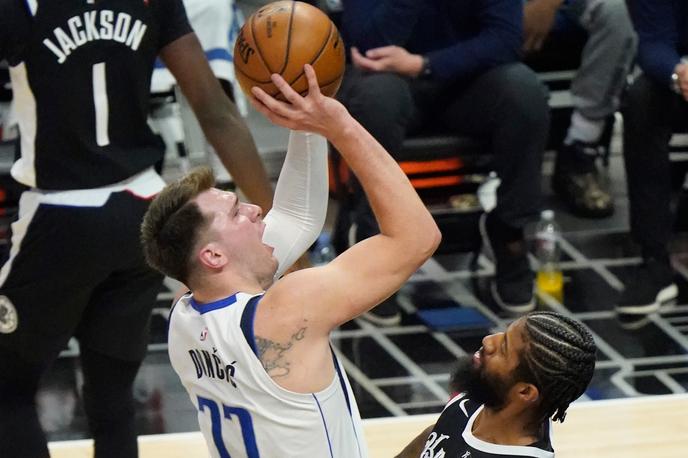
(390, 22)
(498, 42)
(372, 24)
(658, 38)
(539, 17)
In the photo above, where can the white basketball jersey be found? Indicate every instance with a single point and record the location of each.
(242, 412)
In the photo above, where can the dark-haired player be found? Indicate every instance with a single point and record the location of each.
(510, 389)
(81, 72)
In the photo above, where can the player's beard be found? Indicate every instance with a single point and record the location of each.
(478, 385)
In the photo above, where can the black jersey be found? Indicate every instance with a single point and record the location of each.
(452, 436)
(81, 73)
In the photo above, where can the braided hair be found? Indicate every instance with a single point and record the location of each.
(559, 359)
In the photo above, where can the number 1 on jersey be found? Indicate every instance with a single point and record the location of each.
(100, 102)
(245, 423)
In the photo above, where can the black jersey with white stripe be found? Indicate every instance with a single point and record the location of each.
(81, 73)
(452, 436)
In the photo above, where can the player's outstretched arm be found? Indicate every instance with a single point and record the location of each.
(372, 270)
(219, 118)
(300, 206)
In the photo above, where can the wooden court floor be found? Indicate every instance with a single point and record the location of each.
(653, 426)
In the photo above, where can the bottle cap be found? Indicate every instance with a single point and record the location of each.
(547, 214)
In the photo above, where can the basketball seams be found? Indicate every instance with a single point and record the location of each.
(317, 56)
(290, 29)
(253, 80)
(333, 30)
(326, 87)
(259, 52)
(327, 41)
(321, 83)
(327, 83)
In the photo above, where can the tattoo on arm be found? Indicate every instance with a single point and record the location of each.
(273, 354)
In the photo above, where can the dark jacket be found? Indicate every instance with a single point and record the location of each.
(662, 27)
(461, 38)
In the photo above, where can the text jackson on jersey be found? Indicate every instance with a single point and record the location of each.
(95, 25)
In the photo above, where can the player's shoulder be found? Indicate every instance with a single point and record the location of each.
(181, 300)
(178, 305)
(291, 290)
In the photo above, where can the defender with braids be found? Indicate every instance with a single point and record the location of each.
(507, 392)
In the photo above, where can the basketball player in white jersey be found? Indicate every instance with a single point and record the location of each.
(255, 356)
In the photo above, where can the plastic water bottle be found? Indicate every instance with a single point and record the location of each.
(487, 192)
(323, 251)
(547, 249)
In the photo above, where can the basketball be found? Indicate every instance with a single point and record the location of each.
(282, 37)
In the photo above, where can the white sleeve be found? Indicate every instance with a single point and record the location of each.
(300, 204)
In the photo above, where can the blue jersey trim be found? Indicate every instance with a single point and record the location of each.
(342, 382)
(341, 379)
(247, 319)
(327, 433)
(219, 304)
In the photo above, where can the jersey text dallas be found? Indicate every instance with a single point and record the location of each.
(96, 25)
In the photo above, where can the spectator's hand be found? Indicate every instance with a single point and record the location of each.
(682, 72)
(312, 113)
(388, 59)
(538, 20)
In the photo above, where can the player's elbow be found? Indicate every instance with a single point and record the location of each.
(426, 240)
(434, 239)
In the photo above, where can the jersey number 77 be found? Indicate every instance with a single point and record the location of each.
(245, 423)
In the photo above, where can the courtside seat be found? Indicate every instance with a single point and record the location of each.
(436, 146)
(442, 161)
(446, 170)
(431, 161)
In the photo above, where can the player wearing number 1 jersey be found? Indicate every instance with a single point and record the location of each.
(253, 353)
(80, 73)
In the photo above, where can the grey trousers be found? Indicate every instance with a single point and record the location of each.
(607, 56)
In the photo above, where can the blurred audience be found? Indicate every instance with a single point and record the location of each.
(610, 45)
(654, 105)
(217, 24)
(453, 64)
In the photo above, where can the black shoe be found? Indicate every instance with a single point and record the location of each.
(650, 286)
(513, 285)
(384, 314)
(577, 181)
